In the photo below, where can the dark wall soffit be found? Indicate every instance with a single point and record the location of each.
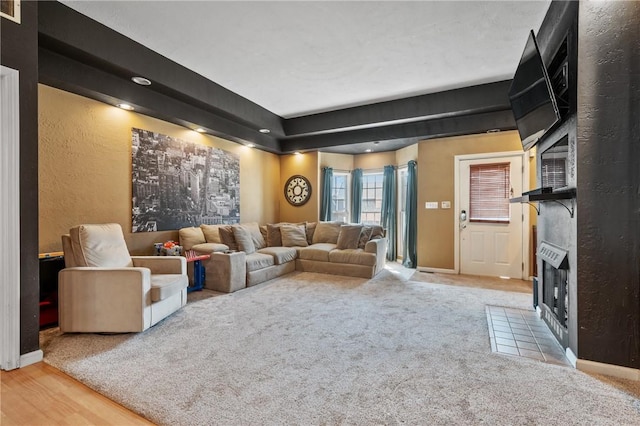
(452, 126)
(464, 101)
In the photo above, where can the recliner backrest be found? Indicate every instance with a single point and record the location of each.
(100, 245)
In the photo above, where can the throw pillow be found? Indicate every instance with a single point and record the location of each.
(293, 236)
(326, 232)
(349, 236)
(256, 235)
(377, 231)
(190, 237)
(211, 233)
(365, 236)
(311, 228)
(274, 238)
(244, 239)
(227, 238)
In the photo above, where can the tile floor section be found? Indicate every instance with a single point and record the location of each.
(522, 333)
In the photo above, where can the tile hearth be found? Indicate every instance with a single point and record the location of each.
(519, 332)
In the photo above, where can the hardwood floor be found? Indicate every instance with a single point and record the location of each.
(42, 395)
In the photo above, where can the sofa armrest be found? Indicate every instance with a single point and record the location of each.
(162, 264)
(379, 248)
(104, 299)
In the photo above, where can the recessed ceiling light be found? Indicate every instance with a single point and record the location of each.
(125, 106)
(368, 150)
(297, 153)
(141, 81)
(250, 145)
(493, 131)
(200, 130)
(265, 131)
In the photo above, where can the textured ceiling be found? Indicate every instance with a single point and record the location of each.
(298, 58)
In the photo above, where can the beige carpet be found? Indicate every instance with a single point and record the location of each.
(316, 349)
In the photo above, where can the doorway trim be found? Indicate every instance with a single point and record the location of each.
(525, 212)
(10, 218)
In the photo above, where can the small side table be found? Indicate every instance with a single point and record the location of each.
(199, 272)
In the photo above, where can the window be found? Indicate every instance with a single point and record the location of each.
(371, 198)
(339, 197)
(489, 189)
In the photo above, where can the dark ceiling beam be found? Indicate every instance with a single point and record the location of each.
(451, 103)
(97, 45)
(428, 129)
(72, 76)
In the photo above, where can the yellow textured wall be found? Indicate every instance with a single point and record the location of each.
(307, 165)
(374, 160)
(404, 155)
(436, 183)
(343, 162)
(85, 169)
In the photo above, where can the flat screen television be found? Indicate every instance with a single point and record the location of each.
(531, 95)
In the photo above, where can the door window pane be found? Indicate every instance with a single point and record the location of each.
(489, 193)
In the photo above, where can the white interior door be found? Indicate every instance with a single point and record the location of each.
(490, 232)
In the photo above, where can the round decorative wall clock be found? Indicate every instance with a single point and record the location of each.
(297, 190)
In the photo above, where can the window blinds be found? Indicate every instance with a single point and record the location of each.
(489, 193)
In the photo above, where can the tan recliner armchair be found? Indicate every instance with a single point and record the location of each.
(105, 290)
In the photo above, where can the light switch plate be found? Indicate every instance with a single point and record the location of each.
(431, 205)
(445, 204)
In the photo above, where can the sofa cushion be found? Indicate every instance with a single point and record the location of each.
(318, 251)
(349, 236)
(166, 285)
(326, 232)
(208, 248)
(257, 261)
(280, 254)
(365, 236)
(189, 237)
(211, 233)
(311, 229)
(227, 238)
(293, 235)
(100, 245)
(353, 257)
(243, 239)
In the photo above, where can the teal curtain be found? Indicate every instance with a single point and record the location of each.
(389, 210)
(325, 201)
(409, 255)
(356, 195)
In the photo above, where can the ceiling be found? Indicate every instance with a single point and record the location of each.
(317, 66)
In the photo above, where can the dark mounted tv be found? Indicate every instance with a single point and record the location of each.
(531, 95)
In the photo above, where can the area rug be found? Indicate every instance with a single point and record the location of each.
(310, 349)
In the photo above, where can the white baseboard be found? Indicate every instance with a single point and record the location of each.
(436, 270)
(31, 358)
(571, 357)
(608, 369)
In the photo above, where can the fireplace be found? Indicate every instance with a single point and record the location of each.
(555, 286)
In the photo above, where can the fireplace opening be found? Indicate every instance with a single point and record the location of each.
(555, 285)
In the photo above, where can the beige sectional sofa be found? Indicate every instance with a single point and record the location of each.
(248, 254)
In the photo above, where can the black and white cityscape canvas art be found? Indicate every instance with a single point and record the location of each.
(178, 184)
